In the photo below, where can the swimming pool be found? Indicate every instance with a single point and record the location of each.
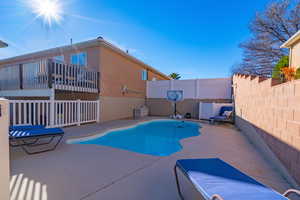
(158, 138)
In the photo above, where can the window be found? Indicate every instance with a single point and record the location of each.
(59, 58)
(144, 75)
(79, 59)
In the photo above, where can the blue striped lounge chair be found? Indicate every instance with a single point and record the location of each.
(28, 137)
(214, 179)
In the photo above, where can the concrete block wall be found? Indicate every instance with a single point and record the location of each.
(274, 111)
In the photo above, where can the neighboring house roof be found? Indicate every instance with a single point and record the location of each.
(290, 42)
(90, 43)
(3, 44)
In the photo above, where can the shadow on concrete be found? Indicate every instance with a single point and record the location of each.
(283, 156)
(22, 187)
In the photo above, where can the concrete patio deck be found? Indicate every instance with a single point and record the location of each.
(91, 172)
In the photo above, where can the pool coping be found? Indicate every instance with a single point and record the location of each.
(105, 132)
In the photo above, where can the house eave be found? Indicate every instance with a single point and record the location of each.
(47, 52)
(290, 42)
(89, 43)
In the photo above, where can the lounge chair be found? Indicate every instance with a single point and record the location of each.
(29, 136)
(26, 127)
(223, 116)
(214, 179)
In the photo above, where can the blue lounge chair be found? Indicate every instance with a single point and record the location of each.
(214, 179)
(29, 136)
(221, 117)
(26, 127)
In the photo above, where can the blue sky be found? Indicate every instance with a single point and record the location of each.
(196, 38)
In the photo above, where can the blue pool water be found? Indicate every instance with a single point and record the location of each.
(159, 138)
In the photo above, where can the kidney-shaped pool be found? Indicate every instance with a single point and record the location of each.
(158, 138)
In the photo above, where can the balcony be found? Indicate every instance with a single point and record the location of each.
(47, 74)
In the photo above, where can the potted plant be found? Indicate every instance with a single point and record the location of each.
(289, 73)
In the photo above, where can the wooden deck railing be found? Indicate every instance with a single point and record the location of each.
(49, 74)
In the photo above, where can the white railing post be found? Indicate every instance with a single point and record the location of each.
(52, 111)
(98, 111)
(78, 112)
(4, 149)
(14, 114)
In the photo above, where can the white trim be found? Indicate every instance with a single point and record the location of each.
(289, 43)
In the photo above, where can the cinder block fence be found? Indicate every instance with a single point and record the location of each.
(273, 109)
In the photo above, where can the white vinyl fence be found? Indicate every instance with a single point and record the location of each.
(52, 113)
(219, 88)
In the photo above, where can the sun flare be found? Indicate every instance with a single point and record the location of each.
(48, 10)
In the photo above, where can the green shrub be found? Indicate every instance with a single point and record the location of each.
(283, 62)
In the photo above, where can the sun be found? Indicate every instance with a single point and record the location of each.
(50, 11)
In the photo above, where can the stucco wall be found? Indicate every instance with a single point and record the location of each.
(4, 151)
(118, 71)
(273, 110)
(113, 108)
(162, 107)
(295, 55)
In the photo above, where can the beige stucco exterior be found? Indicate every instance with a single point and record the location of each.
(112, 108)
(293, 44)
(4, 150)
(295, 55)
(121, 84)
(117, 73)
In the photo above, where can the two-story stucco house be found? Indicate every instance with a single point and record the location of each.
(90, 70)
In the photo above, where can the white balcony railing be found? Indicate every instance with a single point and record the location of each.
(49, 74)
(73, 77)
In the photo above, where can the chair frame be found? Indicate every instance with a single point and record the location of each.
(216, 196)
(33, 142)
